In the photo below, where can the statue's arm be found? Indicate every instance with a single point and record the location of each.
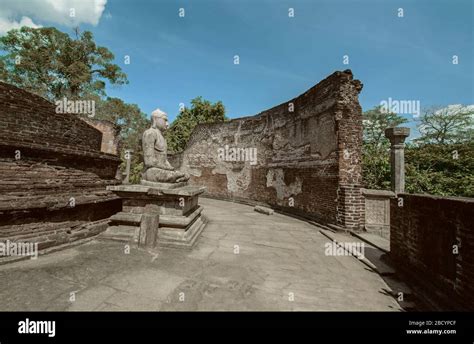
(150, 157)
(148, 153)
(161, 141)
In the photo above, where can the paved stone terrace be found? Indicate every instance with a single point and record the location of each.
(280, 265)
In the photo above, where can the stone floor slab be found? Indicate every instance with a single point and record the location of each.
(280, 265)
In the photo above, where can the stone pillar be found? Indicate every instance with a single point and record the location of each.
(128, 157)
(148, 230)
(397, 138)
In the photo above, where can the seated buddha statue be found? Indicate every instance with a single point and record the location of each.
(157, 168)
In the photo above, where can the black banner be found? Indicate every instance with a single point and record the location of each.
(52, 327)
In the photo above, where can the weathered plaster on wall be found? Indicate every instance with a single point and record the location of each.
(311, 154)
(276, 179)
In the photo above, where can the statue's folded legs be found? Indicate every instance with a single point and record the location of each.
(159, 175)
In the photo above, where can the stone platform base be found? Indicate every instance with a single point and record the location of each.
(124, 227)
(151, 216)
(177, 231)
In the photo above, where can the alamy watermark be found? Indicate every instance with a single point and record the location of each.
(23, 249)
(356, 249)
(237, 154)
(407, 107)
(84, 107)
(28, 326)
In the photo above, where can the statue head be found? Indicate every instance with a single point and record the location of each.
(159, 120)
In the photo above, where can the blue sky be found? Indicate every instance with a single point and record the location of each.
(173, 59)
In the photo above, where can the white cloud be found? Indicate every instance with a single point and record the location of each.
(6, 25)
(36, 13)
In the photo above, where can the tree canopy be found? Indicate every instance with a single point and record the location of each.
(445, 125)
(376, 162)
(51, 64)
(376, 121)
(132, 122)
(201, 111)
(439, 162)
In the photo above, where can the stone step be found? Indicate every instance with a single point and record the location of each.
(263, 210)
(126, 219)
(122, 233)
(180, 221)
(177, 238)
(376, 257)
(381, 243)
(396, 286)
(408, 306)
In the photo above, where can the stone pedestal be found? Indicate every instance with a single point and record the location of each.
(157, 216)
(377, 211)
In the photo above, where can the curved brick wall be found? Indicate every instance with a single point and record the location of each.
(423, 232)
(30, 124)
(47, 160)
(308, 154)
(27, 117)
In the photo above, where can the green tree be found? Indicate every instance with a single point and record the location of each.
(131, 120)
(441, 161)
(447, 125)
(375, 150)
(375, 122)
(440, 169)
(51, 64)
(201, 111)
(132, 123)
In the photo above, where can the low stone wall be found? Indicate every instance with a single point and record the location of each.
(377, 211)
(302, 156)
(53, 175)
(432, 240)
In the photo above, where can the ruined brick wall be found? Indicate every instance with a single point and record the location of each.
(110, 135)
(423, 230)
(52, 173)
(308, 154)
(30, 118)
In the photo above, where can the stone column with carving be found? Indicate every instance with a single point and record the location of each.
(397, 138)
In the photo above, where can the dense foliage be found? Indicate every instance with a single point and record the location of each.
(201, 111)
(439, 162)
(53, 65)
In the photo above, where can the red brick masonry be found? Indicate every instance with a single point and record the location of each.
(46, 160)
(422, 234)
(309, 155)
